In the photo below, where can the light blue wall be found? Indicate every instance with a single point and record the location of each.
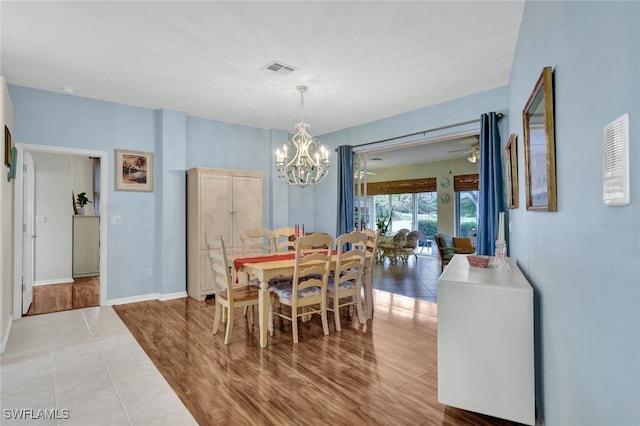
(455, 111)
(218, 144)
(152, 230)
(170, 211)
(584, 260)
(46, 118)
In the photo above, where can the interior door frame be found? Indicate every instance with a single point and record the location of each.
(28, 230)
(18, 219)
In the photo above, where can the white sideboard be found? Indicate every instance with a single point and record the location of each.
(485, 341)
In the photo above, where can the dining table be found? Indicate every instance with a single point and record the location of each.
(273, 265)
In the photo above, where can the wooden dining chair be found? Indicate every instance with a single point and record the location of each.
(256, 241)
(372, 256)
(306, 294)
(227, 296)
(282, 238)
(345, 284)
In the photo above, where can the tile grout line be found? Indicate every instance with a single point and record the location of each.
(106, 367)
(53, 368)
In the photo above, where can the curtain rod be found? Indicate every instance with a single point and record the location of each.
(499, 115)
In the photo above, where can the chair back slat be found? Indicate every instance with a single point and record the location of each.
(284, 238)
(257, 241)
(315, 263)
(372, 246)
(350, 263)
(222, 280)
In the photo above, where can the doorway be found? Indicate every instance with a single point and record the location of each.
(22, 263)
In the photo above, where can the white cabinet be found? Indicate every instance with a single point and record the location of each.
(86, 246)
(485, 341)
(219, 202)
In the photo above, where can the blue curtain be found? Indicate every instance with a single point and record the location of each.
(491, 191)
(346, 217)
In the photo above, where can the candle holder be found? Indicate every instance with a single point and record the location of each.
(500, 259)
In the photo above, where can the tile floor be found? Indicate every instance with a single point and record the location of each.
(86, 364)
(417, 278)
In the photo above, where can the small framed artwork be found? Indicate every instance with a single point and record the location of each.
(134, 171)
(7, 147)
(14, 163)
(511, 166)
(539, 146)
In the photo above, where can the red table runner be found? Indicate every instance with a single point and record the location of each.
(239, 261)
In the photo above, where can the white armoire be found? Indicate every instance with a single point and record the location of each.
(219, 202)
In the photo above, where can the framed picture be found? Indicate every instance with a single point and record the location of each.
(14, 163)
(7, 147)
(539, 146)
(511, 166)
(134, 171)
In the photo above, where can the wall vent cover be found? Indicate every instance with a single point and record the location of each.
(278, 67)
(615, 177)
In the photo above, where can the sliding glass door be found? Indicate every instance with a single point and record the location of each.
(407, 211)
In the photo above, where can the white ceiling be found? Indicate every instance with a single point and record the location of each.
(362, 61)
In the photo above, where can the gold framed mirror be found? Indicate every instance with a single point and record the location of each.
(511, 166)
(539, 146)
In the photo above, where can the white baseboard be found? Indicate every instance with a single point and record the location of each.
(146, 297)
(56, 281)
(133, 299)
(169, 296)
(5, 337)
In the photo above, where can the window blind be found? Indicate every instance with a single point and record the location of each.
(469, 182)
(406, 186)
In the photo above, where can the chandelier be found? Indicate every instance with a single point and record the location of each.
(302, 162)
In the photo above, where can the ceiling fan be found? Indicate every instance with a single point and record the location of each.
(360, 173)
(473, 150)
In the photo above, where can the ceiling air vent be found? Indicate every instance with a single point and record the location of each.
(279, 68)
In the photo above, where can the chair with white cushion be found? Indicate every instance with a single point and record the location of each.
(306, 294)
(345, 284)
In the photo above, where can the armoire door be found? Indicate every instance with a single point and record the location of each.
(215, 207)
(247, 205)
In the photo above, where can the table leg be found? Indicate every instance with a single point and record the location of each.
(263, 311)
(368, 295)
(368, 299)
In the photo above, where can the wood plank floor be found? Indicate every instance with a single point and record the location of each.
(81, 293)
(382, 373)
